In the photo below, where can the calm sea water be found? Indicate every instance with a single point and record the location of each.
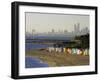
(32, 46)
(31, 62)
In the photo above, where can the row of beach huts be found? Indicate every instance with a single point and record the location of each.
(78, 51)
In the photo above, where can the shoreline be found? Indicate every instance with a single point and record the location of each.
(54, 60)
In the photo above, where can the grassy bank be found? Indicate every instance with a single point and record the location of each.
(59, 59)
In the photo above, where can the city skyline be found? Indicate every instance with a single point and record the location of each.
(76, 29)
(43, 22)
(52, 33)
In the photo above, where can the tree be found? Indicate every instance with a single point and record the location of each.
(84, 41)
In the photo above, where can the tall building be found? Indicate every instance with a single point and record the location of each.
(85, 30)
(52, 30)
(33, 31)
(65, 31)
(77, 28)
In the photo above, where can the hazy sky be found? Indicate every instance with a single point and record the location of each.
(44, 22)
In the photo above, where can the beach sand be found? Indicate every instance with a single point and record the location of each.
(54, 59)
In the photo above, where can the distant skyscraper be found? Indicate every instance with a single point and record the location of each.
(33, 32)
(85, 31)
(65, 31)
(52, 30)
(77, 28)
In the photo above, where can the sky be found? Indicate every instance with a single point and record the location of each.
(45, 22)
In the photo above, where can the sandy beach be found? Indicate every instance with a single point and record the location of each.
(54, 59)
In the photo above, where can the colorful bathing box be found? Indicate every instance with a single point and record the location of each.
(78, 51)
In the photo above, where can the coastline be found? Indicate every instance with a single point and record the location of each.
(59, 59)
